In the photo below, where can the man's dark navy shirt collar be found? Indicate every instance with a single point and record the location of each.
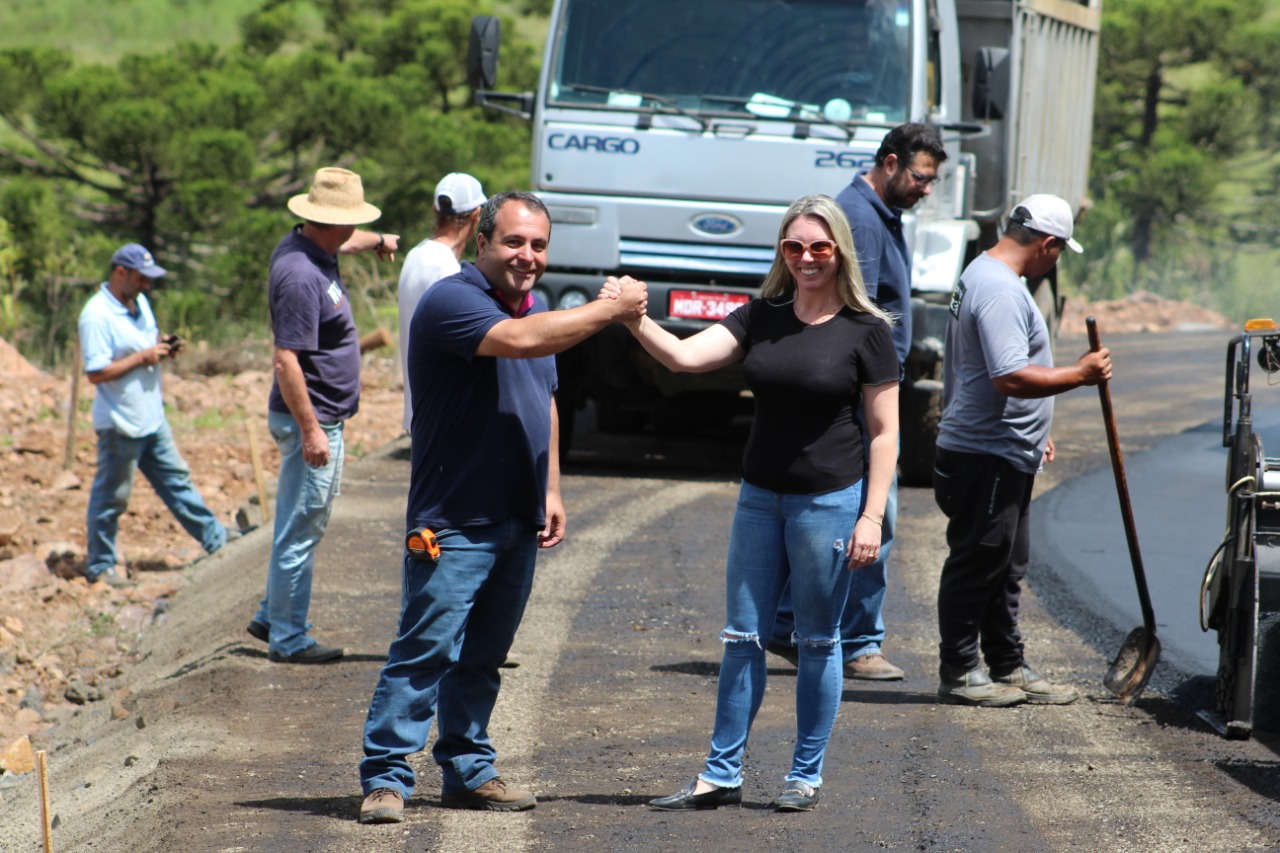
(323, 260)
(471, 273)
(891, 215)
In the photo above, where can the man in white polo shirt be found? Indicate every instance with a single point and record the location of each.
(122, 351)
(457, 205)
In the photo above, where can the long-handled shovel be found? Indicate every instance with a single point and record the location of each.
(1137, 658)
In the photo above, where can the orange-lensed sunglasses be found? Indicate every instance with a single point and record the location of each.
(819, 250)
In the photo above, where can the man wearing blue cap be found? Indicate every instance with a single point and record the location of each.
(122, 350)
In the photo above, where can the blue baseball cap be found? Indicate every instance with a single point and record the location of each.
(134, 256)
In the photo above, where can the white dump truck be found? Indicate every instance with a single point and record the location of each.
(669, 136)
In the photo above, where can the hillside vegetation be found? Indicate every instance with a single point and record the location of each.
(186, 124)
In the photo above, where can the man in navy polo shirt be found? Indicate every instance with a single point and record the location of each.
(906, 168)
(486, 480)
(316, 389)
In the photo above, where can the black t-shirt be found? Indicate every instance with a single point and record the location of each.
(805, 438)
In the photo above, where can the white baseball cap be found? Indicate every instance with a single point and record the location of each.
(1047, 214)
(458, 192)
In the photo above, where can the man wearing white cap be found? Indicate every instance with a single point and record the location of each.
(122, 350)
(998, 388)
(457, 205)
(316, 389)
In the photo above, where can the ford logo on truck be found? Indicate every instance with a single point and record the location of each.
(603, 144)
(716, 224)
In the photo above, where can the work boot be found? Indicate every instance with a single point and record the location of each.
(1039, 690)
(113, 579)
(975, 687)
(493, 796)
(872, 667)
(382, 806)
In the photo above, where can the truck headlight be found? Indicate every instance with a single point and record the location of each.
(573, 298)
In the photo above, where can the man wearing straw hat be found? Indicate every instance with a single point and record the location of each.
(316, 388)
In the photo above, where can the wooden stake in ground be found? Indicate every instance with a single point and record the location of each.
(256, 458)
(73, 410)
(45, 812)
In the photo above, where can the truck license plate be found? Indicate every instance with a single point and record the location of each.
(703, 305)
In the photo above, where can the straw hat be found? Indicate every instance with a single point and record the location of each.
(336, 198)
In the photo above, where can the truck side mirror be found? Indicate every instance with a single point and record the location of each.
(482, 52)
(991, 83)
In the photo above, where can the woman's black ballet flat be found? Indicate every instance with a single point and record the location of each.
(797, 797)
(687, 800)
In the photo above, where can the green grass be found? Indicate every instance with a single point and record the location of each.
(108, 29)
(105, 30)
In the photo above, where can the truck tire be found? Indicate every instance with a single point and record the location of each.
(614, 417)
(919, 412)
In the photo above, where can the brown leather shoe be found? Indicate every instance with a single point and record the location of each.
(382, 806)
(872, 667)
(494, 796)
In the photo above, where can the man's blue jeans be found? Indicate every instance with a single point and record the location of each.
(304, 500)
(458, 619)
(862, 625)
(778, 538)
(157, 457)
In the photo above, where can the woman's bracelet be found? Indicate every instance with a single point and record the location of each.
(872, 520)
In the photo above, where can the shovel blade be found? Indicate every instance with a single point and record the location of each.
(1133, 665)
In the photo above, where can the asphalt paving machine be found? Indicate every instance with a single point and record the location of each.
(1240, 591)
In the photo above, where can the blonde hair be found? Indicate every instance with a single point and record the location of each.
(849, 285)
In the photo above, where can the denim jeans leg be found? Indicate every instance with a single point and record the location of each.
(817, 533)
(469, 690)
(756, 571)
(437, 610)
(862, 625)
(304, 500)
(109, 498)
(169, 475)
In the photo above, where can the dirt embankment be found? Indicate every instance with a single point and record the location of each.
(63, 642)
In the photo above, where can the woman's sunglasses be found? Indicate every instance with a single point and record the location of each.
(819, 250)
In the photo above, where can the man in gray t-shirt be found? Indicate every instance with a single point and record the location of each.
(998, 390)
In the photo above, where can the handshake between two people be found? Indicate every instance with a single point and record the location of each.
(632, 296)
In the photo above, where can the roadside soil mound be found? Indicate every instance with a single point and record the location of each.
(1140, 312)
(64, 643)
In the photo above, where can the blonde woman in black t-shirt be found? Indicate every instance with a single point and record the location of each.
(814, 348)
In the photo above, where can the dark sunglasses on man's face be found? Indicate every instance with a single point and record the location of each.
(819, 250)
(922, 180)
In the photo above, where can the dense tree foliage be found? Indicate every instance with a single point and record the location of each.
(1185, 106)
(194, 150)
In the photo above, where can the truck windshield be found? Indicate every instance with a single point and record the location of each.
(832, 60)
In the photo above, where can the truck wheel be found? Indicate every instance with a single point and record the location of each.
(920, 411)
(612, 417)
(568, 417)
